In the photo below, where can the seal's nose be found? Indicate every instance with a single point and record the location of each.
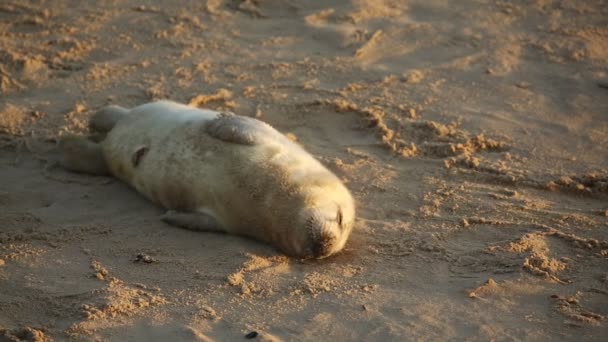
(321, 247)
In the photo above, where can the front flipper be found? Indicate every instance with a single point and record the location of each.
(192, 221)
(241, 130)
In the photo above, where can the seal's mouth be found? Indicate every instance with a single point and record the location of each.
(322, 246)
(323, 226)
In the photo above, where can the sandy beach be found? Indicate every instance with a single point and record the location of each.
(473, 135)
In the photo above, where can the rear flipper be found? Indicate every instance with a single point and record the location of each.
(192, 221)
(104, 120)
(80, 154)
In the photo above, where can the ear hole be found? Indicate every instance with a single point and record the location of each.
(339, 217)
(138, 155)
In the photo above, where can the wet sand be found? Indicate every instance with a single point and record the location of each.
(473, 135)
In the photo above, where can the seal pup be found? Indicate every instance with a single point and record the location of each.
(219, 172)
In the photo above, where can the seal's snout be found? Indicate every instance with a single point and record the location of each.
(322, 246)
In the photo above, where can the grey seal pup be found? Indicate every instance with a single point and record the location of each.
(219, 172)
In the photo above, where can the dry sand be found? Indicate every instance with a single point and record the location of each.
(473, 134)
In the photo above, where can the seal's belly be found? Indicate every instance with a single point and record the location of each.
(209, 177)
(185, 169)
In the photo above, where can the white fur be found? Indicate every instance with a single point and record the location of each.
(266, 191)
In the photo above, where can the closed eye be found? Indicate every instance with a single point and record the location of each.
(339, 217)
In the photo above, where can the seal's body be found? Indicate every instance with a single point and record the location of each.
(222, 172)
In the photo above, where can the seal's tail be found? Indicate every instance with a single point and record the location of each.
(104, 120)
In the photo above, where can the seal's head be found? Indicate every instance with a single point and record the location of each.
(324, 228)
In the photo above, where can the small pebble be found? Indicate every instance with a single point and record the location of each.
(144, 258)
